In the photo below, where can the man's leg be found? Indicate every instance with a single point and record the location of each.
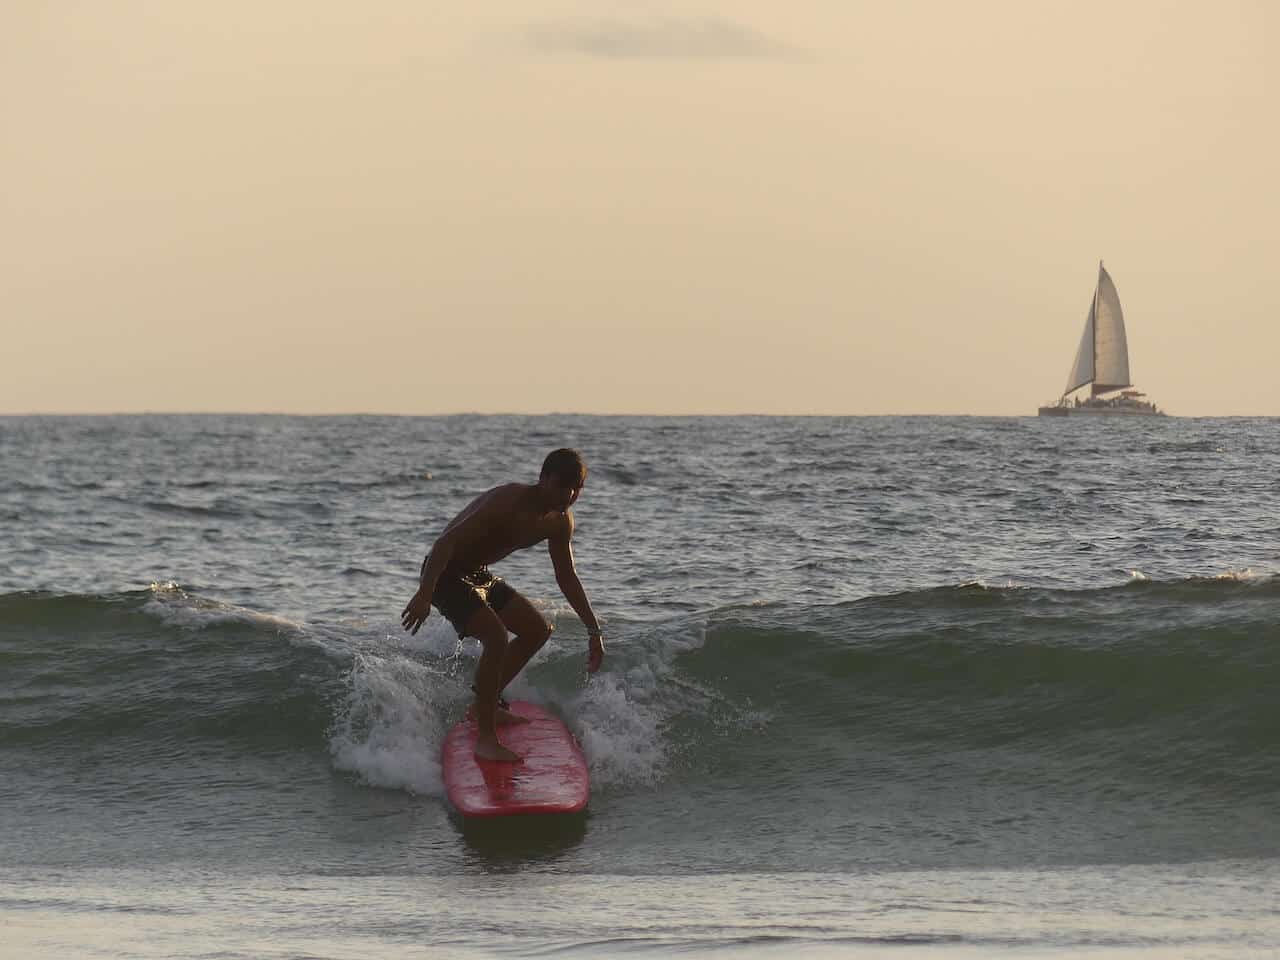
(531, 629)
(485, 626)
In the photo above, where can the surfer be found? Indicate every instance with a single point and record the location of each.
(456, 579)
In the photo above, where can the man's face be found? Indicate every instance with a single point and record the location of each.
(566, 497)
(559, 494)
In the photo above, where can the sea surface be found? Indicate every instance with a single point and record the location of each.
(874, 687)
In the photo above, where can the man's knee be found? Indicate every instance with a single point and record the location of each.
(488, 629)
(495, 643)
(541, 632)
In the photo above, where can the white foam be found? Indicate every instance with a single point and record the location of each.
(174, 606)
(1238, 576)
(981, 584)
(403, 690)
(436, 638)
(620, 735)
(389, 733)
(619, 717)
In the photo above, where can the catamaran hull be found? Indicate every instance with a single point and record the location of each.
(1096, 412)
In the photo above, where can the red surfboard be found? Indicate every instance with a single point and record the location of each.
(551, 779)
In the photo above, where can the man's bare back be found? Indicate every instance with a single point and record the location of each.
(455, 578)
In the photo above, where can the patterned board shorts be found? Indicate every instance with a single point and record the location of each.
(458, 596)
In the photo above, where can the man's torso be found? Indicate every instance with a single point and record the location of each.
(514, 525)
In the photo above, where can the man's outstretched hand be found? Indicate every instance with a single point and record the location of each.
(415, 614)
(595, 653)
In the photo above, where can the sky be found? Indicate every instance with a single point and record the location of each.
(701, 207)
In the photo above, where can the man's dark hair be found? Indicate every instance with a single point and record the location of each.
(565, 465)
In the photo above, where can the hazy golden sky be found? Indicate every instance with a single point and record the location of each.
(698, 207)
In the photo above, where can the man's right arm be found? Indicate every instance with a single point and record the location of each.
(435, 561)
(470, 524)
(418, 608)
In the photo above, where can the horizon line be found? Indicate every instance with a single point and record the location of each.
(563, 413)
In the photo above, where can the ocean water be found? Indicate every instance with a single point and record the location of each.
(943, 687)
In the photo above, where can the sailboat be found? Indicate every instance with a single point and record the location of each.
(1102, 363)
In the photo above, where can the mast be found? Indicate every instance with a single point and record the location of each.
(1093, 384)
(1085, 369)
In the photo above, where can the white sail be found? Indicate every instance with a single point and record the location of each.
(1082, 369)
(1103, 355)
(1111, 349)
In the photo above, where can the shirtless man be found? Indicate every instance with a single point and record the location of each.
(455, 577)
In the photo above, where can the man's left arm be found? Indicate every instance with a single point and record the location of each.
(561, 550)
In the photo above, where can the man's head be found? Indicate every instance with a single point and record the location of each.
(563, 475)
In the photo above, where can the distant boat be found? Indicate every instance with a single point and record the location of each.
(1102, 363)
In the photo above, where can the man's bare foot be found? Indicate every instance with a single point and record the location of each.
(503, 718)
(488, 748)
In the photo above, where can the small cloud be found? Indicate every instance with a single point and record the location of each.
(711, 38)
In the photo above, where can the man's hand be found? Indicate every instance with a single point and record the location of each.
(595, 655)
(415, 614)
